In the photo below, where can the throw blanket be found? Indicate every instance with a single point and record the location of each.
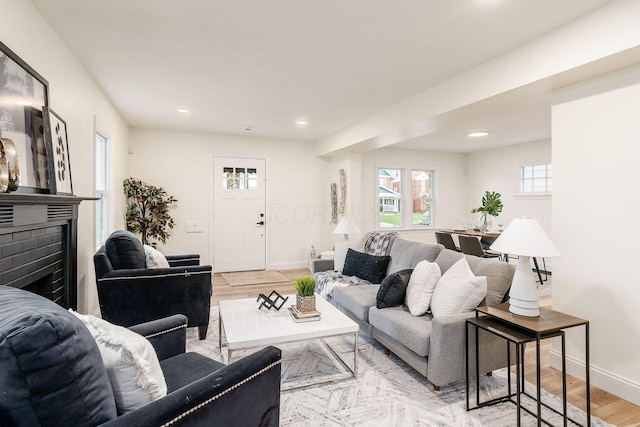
(327, 281)
(378, 243)
(375, 243)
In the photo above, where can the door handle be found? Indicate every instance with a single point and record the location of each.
(260, 222)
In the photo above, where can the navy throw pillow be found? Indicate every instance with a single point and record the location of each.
(393, 289)
(125, 250)
(367, 267)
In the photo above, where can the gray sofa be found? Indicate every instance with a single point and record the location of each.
(432, 346)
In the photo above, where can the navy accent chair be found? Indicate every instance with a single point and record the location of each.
(129, 293)
(51, 374)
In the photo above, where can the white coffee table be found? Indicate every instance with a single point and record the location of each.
(245, 326)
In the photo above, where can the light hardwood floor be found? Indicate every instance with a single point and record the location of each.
(604, 405)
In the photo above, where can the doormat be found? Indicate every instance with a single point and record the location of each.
(243, 278)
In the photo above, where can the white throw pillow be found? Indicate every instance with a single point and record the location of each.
(341, 250)
(131, 363)
(458, 290)
(155, 259)
(422, 282)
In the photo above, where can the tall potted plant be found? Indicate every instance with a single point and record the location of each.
(491, 205)
(148, 210)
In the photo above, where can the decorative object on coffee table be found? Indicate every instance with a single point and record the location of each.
(274, 300)
(303, 316)
(305, 293)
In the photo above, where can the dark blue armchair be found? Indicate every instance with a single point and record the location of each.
(51, 374)
(129, 293)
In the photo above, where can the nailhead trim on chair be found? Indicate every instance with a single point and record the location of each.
(186, 274)
(165, 331)
(183, 259)
(213, 398)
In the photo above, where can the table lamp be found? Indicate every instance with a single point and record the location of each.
(346, 227)
(524, 237)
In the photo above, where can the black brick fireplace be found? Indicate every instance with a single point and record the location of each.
(38, 245)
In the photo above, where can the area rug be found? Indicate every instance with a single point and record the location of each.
(387, 392)
(243, 278)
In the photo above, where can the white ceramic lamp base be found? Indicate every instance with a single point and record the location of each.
(523, 296)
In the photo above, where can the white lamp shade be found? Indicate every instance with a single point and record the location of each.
(346, 226)
(525, 237)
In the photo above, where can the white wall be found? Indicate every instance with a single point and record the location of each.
(74, 95)
(498, 170)
(450, 191)
(298, 212)
(596, 206)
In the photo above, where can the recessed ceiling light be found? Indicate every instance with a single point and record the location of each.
(182, 111)
(478, 134)
(24, 103)
(302, 122)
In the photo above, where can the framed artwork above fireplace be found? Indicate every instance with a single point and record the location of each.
(23, 96)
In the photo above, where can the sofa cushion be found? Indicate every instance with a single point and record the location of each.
(125, 251)
(131, 362)
(154, 258)
(340, 252)
(458, 291)
(371, 268)
(393, 289)
(50, 366)
(407, 254)
(499, 273)
(499, 277)
(357, 299)
(414, 332)
(420, 288)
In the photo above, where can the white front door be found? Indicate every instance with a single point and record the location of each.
(239, 222)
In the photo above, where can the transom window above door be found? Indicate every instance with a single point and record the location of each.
(237, 178)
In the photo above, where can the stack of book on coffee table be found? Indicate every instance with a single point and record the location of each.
(303, 316)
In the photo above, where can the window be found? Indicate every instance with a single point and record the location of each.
(239, 178)
(102, 187)
(389, 197)
(421, 197)
(401, 203)
(535, 178)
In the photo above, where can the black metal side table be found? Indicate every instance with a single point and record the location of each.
(519, 330)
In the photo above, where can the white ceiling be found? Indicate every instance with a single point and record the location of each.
(265, 64)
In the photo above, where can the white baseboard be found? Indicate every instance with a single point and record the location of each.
(608, 381)
(289, 265)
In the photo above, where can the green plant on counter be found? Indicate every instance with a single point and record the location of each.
(305, 286)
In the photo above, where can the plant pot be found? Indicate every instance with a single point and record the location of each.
(306, 303)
